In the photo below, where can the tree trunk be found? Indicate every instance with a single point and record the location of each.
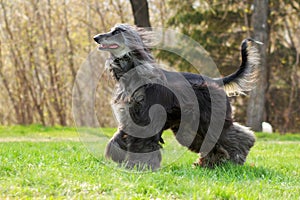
(140, 12)
(256, 105)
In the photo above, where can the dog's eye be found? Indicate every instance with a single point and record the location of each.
(117, 31)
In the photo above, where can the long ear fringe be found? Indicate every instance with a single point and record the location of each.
(149, 37)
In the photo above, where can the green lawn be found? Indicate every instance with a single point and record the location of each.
(67, 169)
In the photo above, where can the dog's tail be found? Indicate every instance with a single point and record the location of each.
(245, 77)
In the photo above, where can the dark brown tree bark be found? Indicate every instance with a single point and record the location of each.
(6, 86)
(295, 46)
(140, 13)
(256, 105)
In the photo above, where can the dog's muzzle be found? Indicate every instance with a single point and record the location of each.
(98, 38)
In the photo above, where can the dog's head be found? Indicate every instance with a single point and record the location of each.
(121, 40)
(127, 47)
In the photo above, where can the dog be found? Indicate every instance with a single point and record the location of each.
(141, 85)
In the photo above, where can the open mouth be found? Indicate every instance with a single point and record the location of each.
(108, 46)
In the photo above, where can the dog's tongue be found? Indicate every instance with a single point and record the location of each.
(109, 46)
(113, 46)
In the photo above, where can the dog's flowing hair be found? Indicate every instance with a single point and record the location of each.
(129, 52)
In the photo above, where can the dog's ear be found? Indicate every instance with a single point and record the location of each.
(149, 37)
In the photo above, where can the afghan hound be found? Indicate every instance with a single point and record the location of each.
(141, 85)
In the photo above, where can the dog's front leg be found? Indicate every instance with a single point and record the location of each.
(133, 152)
(116, 149)
(144, 153)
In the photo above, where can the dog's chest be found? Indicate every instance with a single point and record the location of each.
(128, 96)
(126, 102)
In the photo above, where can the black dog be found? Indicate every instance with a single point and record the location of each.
(141, 86)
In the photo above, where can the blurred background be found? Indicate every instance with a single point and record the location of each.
(44, 42)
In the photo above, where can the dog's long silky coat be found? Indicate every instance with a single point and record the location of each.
(128, 51)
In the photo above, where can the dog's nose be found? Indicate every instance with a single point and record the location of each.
(97, 38)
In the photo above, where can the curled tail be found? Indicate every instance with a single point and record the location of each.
(245, 77)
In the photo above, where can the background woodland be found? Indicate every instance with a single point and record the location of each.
(44, 42)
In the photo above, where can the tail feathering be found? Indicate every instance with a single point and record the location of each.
(245, 78)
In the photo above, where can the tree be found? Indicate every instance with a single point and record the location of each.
(140, 13)
(256, 104)
(43, 45)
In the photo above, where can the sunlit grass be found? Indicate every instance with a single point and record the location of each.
(69, 170)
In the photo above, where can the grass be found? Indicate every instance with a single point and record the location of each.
(67, 169)
(37, 131)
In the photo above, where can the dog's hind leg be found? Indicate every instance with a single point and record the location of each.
(237, 141)
(233, 145)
